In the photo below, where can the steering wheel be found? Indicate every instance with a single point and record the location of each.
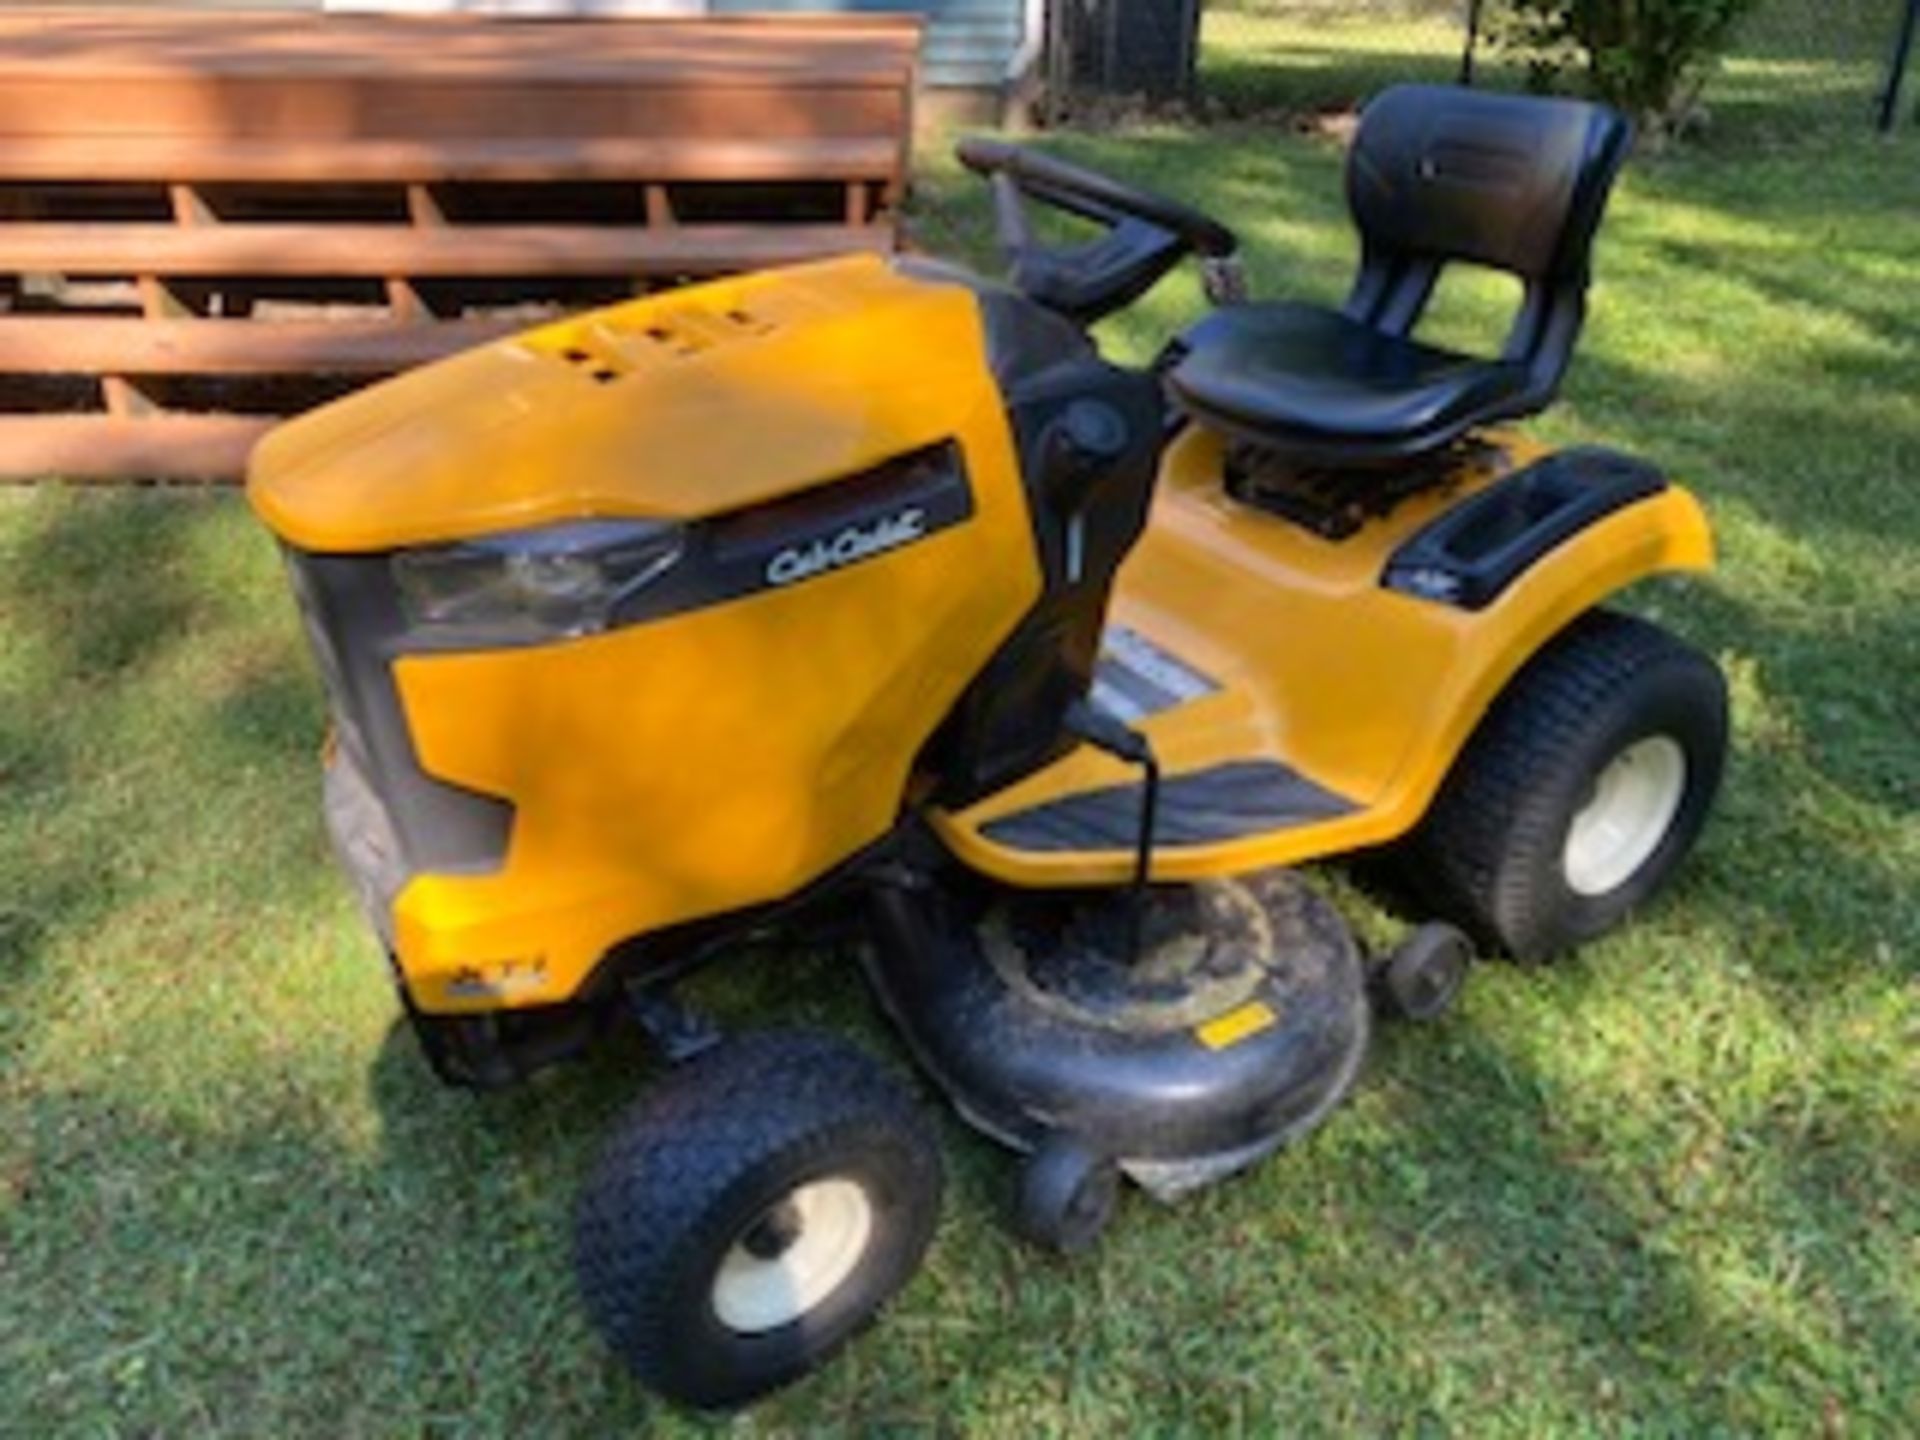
(1146, 235)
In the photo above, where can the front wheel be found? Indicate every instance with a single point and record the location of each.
(1583, 789)
(752, 1212)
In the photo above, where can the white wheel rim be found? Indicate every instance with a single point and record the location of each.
(831, 1222)
(1635, 798)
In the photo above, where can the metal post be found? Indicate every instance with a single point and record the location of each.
(1473, 41)
(1059, 64)
(1189, 51)
(1897, 66)
(1110, 48)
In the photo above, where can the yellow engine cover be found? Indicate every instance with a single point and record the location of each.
(719, 758)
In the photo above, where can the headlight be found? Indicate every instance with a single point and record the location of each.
(533, 585)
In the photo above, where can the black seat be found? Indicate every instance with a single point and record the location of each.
(1436, 174)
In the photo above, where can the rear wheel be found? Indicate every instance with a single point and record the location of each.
(1585, 786)
(752, 1212)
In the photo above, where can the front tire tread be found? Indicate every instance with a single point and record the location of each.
(691, 1162)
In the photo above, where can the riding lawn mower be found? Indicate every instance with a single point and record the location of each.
(868, 590)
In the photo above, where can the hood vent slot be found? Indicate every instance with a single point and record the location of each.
(610, 347)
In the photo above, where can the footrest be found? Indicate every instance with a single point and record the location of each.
(1224, 802)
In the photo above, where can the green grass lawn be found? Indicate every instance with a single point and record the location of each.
(1668, 1187)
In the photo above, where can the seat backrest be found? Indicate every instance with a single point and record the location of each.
(1515, 182)
(1512, 181)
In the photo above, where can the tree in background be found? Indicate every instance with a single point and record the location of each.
(1648, 57)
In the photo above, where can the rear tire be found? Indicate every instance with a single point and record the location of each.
(752, 1212)
(1582, 790)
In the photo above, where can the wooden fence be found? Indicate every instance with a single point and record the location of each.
(208, 221)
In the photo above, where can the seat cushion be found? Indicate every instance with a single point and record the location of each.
(1288, 373)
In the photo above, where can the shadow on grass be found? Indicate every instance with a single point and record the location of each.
(1769, 92)
(33, 770)
(1285, 77)
(399, 1288)
(272, 714)
(150, 724)
(1874, 305)
(1509, 1193)
(100, 583)
(1521, 1192)
(267, 1275)
(89, 596)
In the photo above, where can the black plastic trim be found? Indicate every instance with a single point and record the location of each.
(1471, 554)
(787, 541)
(1088, 436)
(1201, 807)
(921, 493)
(382, 802)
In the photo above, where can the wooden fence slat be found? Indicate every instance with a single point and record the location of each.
(378, 251)
(129, 46)
(505, 108)
(102, 447)
(64, 345)
(383, 161)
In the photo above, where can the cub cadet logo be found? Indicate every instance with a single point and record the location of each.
(856, 542)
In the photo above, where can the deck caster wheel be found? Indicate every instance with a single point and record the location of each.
(1067, 1195)
(1426, 972)
(752, 1212)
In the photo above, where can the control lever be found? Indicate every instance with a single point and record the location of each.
(1086, 440)
(1107, 732)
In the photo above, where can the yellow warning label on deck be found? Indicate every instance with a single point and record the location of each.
(1236, 1025)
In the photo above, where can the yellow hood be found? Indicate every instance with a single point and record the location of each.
(692, 403)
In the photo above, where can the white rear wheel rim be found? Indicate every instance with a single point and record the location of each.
(1634, 801)
(831, 1224)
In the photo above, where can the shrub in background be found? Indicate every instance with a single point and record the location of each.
(1648, 57)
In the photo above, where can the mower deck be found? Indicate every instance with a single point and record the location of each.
(1298, 706)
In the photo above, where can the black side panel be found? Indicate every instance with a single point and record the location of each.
(794, 539)
(435, 826)
(1224, 802)
(1470, 554)
(1088, 435)
(787, 541)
